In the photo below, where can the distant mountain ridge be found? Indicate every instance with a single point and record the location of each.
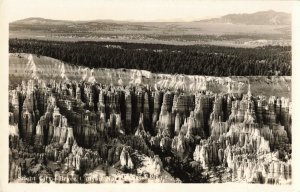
(40, 20)
(241, 30)
(259, 18)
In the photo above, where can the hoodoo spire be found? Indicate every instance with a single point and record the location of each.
(249, 94)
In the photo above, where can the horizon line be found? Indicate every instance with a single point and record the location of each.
(168, 20)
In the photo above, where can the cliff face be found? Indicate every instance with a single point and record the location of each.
(42, 68)
(81, 125)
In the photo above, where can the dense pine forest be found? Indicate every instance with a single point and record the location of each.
(159, 58)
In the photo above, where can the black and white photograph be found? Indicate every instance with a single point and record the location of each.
(115, 92)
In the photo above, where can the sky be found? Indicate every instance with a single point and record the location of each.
(137, 10)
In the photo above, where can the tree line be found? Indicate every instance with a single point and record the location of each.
(160, 58)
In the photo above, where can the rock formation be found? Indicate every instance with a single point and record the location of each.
(79, 126)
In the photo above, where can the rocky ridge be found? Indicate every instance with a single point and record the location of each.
(61, 129)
